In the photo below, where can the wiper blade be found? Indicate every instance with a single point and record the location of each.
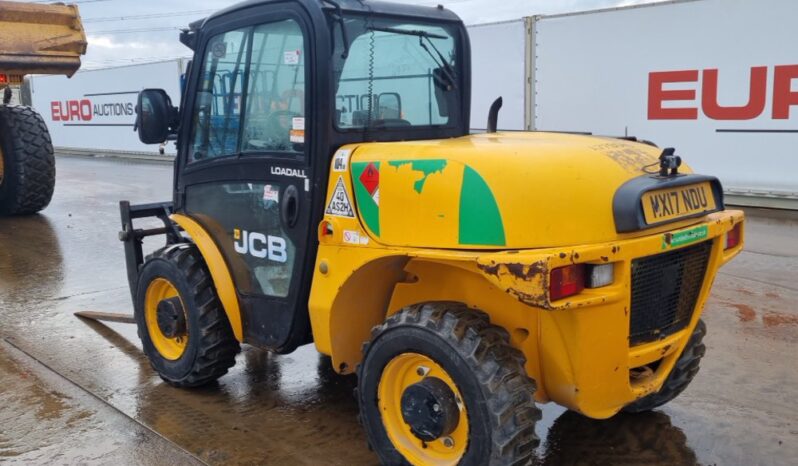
(437, 56)
(408, 32)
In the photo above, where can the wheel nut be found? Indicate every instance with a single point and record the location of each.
(422, 371)
(448, 442)
(436, 407)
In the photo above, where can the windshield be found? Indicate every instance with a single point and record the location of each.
(396, 74)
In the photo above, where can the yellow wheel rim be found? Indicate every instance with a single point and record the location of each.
(401, 372)
(170, 348)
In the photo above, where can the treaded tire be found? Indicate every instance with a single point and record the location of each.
(211, 347)
(29, 164)
(683, 372)
(488, 372)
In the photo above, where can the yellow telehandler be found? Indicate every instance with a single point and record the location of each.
(327, 189)
(34, 39)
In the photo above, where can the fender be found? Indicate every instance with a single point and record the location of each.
(220, 273)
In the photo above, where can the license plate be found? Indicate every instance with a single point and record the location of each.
(682, 201)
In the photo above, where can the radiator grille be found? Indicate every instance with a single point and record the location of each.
(665, 289)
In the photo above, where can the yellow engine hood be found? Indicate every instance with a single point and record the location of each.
(494, 191)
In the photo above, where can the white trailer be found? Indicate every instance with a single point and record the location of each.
(716, 79)
(499, 68)
(94, 111)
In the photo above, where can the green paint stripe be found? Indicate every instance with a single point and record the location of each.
(426, 167)
(480, 219)
(369, 210)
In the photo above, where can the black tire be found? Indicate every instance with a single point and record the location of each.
(28, 179)
(488, 372)
(211, 347)
(683, 373)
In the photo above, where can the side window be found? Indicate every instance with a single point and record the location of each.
(275, 103)
(217, 108)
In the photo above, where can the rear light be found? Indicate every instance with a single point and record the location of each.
(733, 236)
(3, 78)
(566, 281)
(600, 275)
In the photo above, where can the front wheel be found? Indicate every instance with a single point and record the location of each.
(183, 329)
(440, 385)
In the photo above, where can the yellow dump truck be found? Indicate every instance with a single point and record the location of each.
(34, 39)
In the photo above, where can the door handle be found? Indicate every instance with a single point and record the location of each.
(289, 207)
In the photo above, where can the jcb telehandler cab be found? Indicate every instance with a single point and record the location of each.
(327, 190)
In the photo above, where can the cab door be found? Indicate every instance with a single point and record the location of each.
(244, 169)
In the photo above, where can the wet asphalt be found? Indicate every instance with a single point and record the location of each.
(78, 392)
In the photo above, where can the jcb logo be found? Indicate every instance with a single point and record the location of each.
(261, 246)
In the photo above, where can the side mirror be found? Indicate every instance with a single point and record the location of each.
(156, 118)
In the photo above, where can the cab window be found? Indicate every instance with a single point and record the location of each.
(275, 109)
(217, 108)
(396, 74)
(251, 96)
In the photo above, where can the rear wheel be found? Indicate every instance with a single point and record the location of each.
(440, 385)
(27, 163)
(683, 373)
(183, 329)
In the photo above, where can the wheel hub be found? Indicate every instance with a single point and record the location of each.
(171, 318)
(430, 408)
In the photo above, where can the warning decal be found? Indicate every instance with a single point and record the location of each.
(339, 204)
(370, 178)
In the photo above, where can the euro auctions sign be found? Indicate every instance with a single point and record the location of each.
(95, 110)
(84, 110)
(682, 94)
(715, 79)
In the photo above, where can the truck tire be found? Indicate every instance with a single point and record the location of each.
(181, 324)
(683, 372)
(440, 385)
(27, 163)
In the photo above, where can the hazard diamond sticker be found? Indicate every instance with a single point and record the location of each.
(339, 204)
(370, 178)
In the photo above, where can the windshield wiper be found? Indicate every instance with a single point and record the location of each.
(439, 60)
(408, 32)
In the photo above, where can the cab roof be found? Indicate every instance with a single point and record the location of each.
(355, 6)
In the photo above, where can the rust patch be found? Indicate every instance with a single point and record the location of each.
(490, 269)
(516, 269)
(605, 258)
(666, 349)
(530, 299)
(775, 319)
(563, 255)
(514, 275)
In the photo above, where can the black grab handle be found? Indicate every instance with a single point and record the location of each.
(289, 207)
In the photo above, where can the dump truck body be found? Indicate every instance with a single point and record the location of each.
(42, 39)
